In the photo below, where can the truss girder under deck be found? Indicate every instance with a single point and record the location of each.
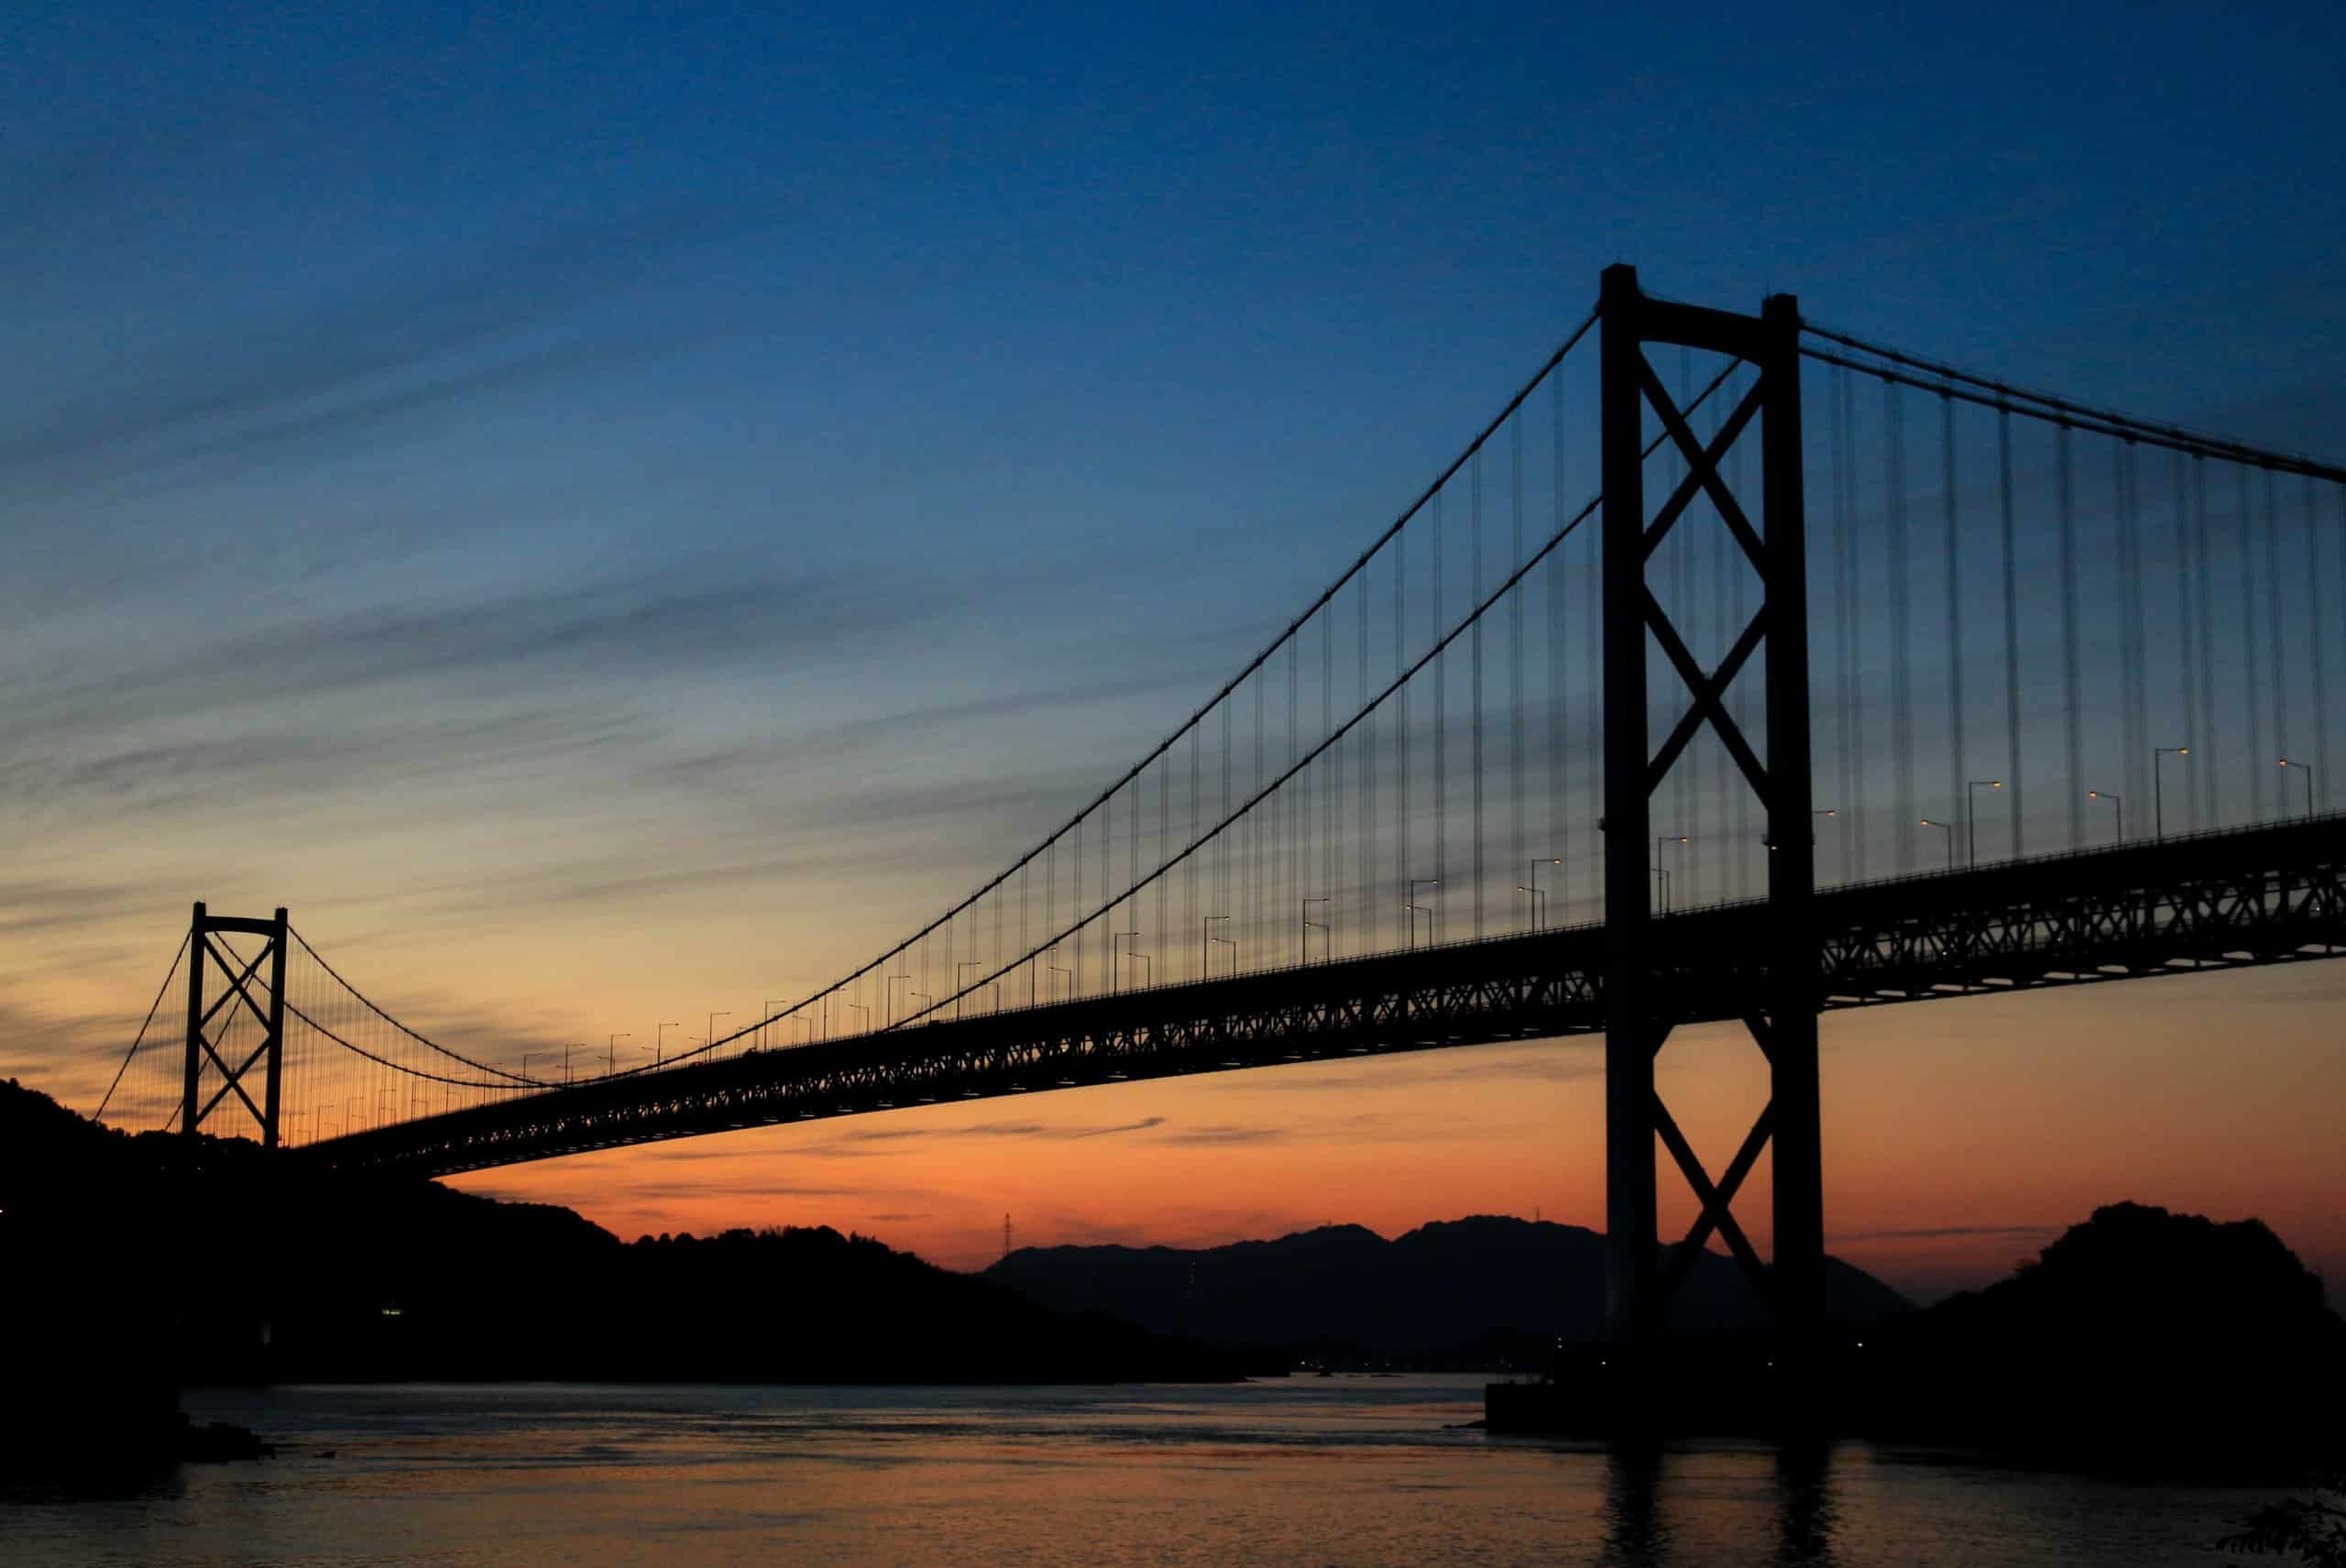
(2230, 900)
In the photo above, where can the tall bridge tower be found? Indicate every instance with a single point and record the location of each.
(1779, 986)
(219, 1028)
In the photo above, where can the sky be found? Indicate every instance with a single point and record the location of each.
(612, 513)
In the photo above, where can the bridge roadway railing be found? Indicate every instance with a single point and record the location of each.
(2181, 905)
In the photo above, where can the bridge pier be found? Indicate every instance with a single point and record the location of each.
(1783, 992)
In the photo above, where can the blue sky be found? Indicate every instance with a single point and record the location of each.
(503, 477)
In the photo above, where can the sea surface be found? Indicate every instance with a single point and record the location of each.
(1307, 1471)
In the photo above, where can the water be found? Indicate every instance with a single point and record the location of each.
(1311, 1471)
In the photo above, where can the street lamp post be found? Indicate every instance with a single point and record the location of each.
(1537, 925)
(958, 993)
(575, 1045)
(659, 1043)
(888, 996)
(1327, 943)
(1660, 845)
(1662, 873)
(1971, 816)
(2302, 768)
(770, 1006)
(1947, 829)
(1120, 954)
(1231, 943)
(712, 1028)
(1205, 944)
(1070, 978)
(1409, 901)
(863, 1008)
(2159, 755)
(1532, 887)
(2115, 801)
(611, 1057)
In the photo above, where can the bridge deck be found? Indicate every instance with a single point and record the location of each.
(2223, 900)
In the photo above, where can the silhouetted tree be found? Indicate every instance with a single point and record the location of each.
(2314, 1528)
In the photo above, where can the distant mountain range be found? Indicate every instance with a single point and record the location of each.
(1452, 1285)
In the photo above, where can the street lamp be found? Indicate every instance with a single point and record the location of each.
(1659, 848)
(1535, 896)
(611, 1049)
(1070, 977)
(864, 1009)
(1118, 955)
(2115, 801)
(1663, 873)
(1971, 816)
(2309, 774)
(888, 995)
(1148, 975)
(1532, 887)
(2159, 755)
(1409, 903)
(1205, 944)
(1327, 943)
(712, 1029)
(958, 991)
(770, 1006)
(1947, 829)
(1231, 943)
(575, 1045)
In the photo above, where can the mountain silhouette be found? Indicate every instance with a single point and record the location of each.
(1438, 1292)
(2141, 1339)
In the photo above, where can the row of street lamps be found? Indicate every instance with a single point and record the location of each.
(1126, 955)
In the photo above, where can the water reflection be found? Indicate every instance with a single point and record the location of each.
(1806, 1511)
(1635, 1535)
(1641, 1502)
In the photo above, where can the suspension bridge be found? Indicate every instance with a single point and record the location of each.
(1666, 702)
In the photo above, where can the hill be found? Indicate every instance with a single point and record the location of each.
(1452, 1292)
(2139, 1339)
(137, 1265)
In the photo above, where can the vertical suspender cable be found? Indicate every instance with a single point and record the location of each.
(1901, 630)
(1592, 619)
(1400, 735)
(1475, 596)
(2012, 769)
(1718, 848)
(2133, 721)
(1845, 773)
(2072, 697)
(2260, 761)
(2274, 635)
(2205, 740)
(2187, 641)
(1958, 767)
(1855, 831)
(1441, 741)
(1560, 832)
(1514, 660)
(2314, 626)
(1365, 824)
(1739, 572)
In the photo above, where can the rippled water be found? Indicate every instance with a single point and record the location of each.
(1309, 1471)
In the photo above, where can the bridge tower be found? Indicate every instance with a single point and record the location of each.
(209, 1023)
(1774, 991)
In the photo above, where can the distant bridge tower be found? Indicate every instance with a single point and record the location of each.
(219, 1060)
(1778, 986)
